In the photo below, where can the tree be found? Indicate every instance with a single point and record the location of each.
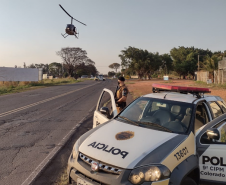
(73, 58)
(31, 66)
(153, 63)
(55, 69)
(140, 61)
(111, 73)
(167, 63)
(114, 66)
(210, 64)
(185, 60)
(118, 74)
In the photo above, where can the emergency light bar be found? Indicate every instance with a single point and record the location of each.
(181, 89)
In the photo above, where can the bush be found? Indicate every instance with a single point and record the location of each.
(127, 77)
(154, 76)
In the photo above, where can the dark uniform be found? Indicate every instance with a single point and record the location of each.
(121, 91)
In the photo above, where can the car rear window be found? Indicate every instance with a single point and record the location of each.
(215, 109)
(222, 105)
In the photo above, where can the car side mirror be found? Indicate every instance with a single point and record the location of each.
(105, 111)
(213, 133)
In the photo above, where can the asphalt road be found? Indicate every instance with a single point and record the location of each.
(33, 123)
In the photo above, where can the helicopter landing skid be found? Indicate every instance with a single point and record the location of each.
(64, 35)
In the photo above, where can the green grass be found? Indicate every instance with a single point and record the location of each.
(129, 82)
(13, 87)
(216, 86)
(168, 81)
(63, 178)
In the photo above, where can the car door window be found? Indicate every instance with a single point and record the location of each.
(106, 102)
(221, 127)
(222, 105)
(215, 109)
(222, 130)
(201, 116)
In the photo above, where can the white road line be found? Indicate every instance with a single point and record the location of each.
(40, 102)
(49, 157)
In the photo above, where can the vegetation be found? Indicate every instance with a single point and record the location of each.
(12, 87)
(114, 66)
(143, 63)
(181, 60)
(111, 73)
(212, 85)
(75, 60)
(75, 64)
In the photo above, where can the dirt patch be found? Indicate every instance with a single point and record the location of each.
(138, 88)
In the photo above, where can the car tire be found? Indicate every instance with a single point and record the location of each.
(188, 181)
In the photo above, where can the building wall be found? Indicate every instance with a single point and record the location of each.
(20, 74)
(202, 76)
(220, 75)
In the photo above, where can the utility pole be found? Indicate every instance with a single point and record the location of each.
(198, 62)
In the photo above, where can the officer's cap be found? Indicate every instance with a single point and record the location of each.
(121, 78)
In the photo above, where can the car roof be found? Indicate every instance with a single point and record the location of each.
(187, 98)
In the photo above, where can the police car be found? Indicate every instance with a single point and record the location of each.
(174, 136)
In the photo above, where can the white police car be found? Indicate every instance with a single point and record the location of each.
(163, 138)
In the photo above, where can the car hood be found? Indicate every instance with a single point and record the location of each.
(121, 144)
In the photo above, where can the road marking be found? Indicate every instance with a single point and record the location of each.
(57, 148)
(40, 102)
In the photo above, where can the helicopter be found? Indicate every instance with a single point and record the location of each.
(70, 28)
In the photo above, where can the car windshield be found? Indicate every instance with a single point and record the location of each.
(165, 115)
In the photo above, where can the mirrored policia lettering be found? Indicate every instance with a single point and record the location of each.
(112, 150)
(213, 160)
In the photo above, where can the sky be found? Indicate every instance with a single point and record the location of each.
(31, 29)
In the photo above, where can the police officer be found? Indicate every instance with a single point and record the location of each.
(121, 94)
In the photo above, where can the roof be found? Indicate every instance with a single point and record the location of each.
(187, 98)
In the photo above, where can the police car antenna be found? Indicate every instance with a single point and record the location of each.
(165, 96)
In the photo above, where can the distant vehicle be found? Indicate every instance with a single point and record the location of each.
(102, 77)
(84, 76)
(99, 78)
(71, 29)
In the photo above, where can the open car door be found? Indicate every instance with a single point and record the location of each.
(106, 108)
(211, 148)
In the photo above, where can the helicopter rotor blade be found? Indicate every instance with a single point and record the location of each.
(79, 21)
(70, 15)
(65, 11)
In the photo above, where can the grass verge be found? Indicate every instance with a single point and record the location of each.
(63, 178)
(15, 87)
(213, 86)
